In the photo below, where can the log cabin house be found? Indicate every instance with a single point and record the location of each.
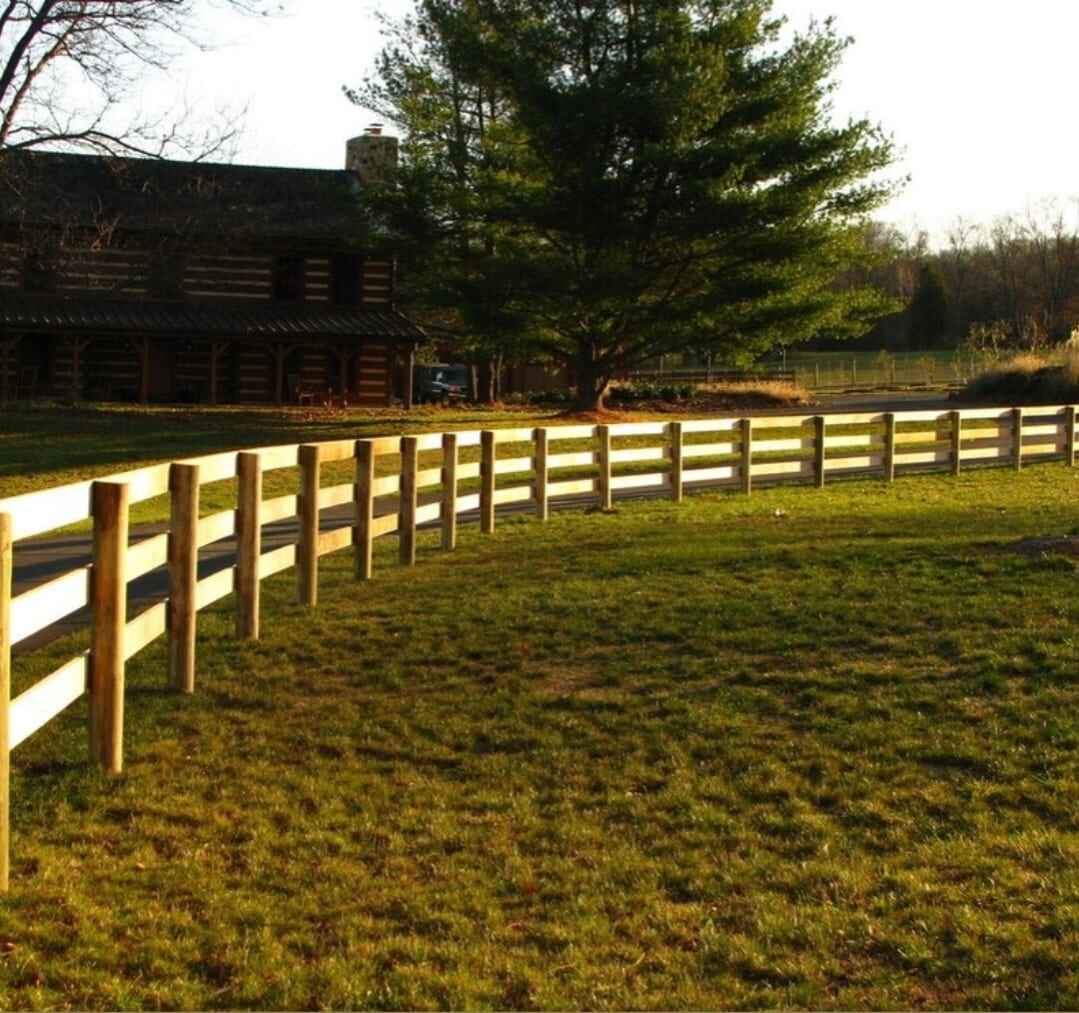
(169, 281)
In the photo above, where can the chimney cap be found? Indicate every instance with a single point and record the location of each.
(374, 130)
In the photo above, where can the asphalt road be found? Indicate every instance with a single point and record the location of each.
(37, 562)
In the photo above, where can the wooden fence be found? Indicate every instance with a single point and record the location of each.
(423, 480)
(676, 376)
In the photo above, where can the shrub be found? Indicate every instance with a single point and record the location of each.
(765, 393)
(643, 390)
(555, 398)
(1071, 364)
(1026, 362)
(1028, 379)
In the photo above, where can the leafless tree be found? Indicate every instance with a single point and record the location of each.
(1008, 257)
(66, 67)
(957, 261)
(1053, 243)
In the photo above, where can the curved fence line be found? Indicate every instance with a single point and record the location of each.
(401, 483)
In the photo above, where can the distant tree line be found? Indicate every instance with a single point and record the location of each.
(1013, 283)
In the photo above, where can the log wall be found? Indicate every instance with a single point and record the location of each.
(110, 368)
(211, 276)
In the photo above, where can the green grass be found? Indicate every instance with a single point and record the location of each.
(805, 749)
(46, 445)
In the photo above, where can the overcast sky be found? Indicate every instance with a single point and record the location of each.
(978, 93)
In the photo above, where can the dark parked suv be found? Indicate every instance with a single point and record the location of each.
(440, 383)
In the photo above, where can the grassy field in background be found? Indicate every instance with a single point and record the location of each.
(45, 445)
(945, 367)
(41, 447)
(805, 749)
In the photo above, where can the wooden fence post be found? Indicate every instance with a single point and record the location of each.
(183, 553)
(539, 467)
(487, 481)
(674, 431)
(248, 544)
(108, 598)
(957, 441)
(364, 498)
(889, 447)
(449, 491)
(1017, 437)
(746, 427)
(6, 554)
(603, 435)
(1069, 440)
(307, 545)
(819, 425)
(406, 511)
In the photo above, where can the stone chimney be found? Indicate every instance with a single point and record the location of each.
(372, 156)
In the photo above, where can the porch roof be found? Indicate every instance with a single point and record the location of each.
(59, 315)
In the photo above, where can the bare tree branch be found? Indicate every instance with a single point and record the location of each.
(98, 49)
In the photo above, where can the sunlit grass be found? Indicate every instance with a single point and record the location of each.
(810, 749)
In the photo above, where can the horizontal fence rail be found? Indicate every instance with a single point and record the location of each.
(398, 485)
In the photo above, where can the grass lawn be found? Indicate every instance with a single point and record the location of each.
(810, 749)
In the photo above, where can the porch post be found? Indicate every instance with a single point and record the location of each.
(344, 357)
(75, 350)
(78, 346)
(406, 390)
(142, 348)
(6, 348)
(216, 349)
(280, 351)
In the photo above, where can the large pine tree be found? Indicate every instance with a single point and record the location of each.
(662, 174)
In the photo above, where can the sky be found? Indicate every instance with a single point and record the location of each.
(978, 94)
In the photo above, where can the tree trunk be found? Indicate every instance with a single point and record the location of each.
(487, 381)
(592, 381)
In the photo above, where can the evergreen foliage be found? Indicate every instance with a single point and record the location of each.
(614, 181)
(930, 313)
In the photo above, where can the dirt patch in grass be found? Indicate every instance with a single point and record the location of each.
(579, 682)
(1035, 547)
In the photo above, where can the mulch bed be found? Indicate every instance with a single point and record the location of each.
(700, 404)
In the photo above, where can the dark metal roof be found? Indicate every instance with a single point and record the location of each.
(200, 320)
(230, 203)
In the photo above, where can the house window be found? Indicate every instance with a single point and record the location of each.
(288, 281)
(40, 271)
(165, 275)
(345, 271)
(34, 362)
